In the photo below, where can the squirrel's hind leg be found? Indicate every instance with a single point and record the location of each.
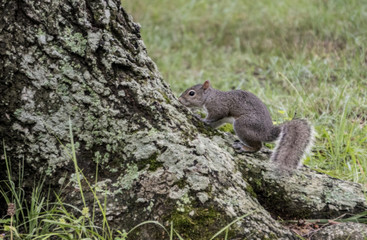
(251, 134)
(245, 147)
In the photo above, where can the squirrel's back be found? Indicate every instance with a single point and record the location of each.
(246, 103)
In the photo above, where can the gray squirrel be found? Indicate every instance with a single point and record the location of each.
(252, 123)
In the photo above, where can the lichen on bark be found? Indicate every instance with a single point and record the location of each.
(85, 61)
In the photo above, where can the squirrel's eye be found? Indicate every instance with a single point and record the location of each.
(192, 93)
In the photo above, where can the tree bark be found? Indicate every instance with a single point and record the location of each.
(85, 61)
(304, 193)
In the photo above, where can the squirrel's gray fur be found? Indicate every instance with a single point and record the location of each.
(252, 123)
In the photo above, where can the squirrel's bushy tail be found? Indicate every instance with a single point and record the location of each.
(294, 141)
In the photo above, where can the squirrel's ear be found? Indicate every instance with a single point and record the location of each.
(206, 85)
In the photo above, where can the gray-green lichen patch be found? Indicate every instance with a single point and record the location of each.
(341, 231)
(203, 197)
(74, 41)
(103, 185)
(126, 180)
(183, 203)
(94, 39)
(198, 182)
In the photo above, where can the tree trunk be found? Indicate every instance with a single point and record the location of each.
(85, 61)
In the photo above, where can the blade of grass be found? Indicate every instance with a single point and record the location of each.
(75, 163)
(230, 224)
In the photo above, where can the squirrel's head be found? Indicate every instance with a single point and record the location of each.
(194, 97)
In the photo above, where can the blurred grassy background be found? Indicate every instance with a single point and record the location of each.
(306, 58)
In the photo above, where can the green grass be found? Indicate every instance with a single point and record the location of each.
(306, 58)
(38, 217)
